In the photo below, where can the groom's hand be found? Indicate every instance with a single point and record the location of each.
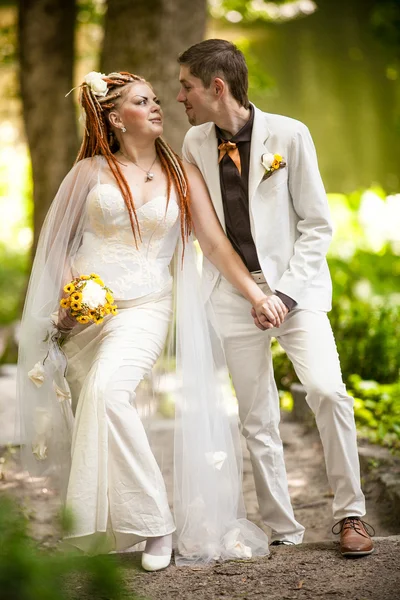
(269, 312)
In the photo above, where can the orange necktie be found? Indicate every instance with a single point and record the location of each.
(232, 151)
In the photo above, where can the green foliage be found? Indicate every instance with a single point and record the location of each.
(283, 368)
(259, 79)
(247, 11)
(365, 318)
(91, 11)
(367, 340)
(7, 44)
(385, 21)
(14, 267)
(383, 16)
(377, 410)
(28, 573)
(381, 271)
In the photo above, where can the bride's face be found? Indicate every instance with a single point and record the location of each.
(139, 112)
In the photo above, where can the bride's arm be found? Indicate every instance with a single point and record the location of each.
(270, 310)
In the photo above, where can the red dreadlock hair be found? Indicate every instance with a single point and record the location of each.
(98, 139)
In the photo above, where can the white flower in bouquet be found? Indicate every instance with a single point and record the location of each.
(93, 294)
(88, 299)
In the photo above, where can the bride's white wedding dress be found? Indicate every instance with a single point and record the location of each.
(116, 491)
(99, 450)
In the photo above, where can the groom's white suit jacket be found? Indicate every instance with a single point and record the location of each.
(289, 213)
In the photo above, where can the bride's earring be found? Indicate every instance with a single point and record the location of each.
(123, 129)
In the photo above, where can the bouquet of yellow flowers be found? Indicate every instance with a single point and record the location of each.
(88, 299)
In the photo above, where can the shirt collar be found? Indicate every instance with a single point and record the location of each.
(244, 134)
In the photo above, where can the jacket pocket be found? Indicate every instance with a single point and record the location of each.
(274, 181)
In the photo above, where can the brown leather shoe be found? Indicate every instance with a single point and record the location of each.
(354, 537)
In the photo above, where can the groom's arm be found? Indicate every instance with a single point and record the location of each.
(269, 310)
(314, 225)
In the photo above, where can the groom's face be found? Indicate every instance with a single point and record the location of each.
(199, 101)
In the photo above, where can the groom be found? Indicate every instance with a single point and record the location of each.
(262, 174)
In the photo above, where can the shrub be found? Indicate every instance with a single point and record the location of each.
(14, 266)
(28, 573)
(367, 340)
(377, 410)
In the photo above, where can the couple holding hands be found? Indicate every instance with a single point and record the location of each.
(249, 189)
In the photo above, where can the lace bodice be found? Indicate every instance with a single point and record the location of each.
(108, 246)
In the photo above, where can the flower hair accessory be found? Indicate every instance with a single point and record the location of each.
(271, 163)
(96, 83)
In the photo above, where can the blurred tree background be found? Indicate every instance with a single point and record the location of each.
(333, 65)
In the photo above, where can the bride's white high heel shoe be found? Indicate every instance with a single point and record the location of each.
(157, 554)
(155, 563)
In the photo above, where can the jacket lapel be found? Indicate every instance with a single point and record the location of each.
(209, 155)
(259, 138)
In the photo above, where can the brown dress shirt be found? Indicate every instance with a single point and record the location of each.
(235, 199)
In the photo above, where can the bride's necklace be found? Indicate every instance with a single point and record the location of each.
(149, 174)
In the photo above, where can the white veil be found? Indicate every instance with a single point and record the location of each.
(45, 417)
(208, 502)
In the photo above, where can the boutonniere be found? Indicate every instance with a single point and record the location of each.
(271, 163)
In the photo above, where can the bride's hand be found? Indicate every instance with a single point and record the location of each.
(65, 321)
(257, 323)
(269, 312)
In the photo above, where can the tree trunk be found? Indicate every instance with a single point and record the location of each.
(46, 47)
(145, 37)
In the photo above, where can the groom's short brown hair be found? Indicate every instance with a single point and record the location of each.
(218, 58)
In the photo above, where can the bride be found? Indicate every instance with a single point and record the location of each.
(122, 212)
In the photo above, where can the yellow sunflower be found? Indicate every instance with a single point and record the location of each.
(94, 276)
(64, 302)
(69, 288)
(75, 305)
(114, 310)
(109, 298)
(278, 157)
(275, 165)
(84, 277)
(76, 297)
(98, 320)
(83, 319)
(99, 281)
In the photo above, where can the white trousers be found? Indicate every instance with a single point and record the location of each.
(307, 338)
